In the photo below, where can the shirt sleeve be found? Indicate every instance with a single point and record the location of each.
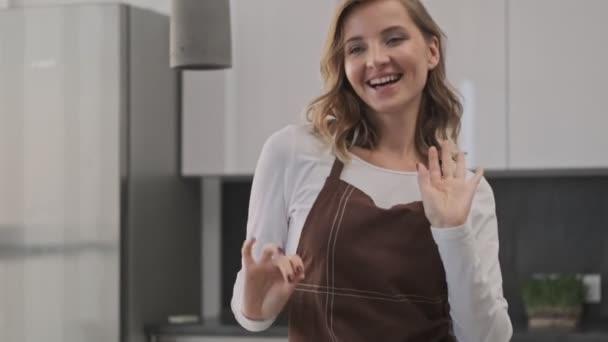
(268, 211)
(470, 258)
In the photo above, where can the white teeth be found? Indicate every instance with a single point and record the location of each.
(384, 79)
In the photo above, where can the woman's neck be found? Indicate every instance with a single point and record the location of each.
(396, 146)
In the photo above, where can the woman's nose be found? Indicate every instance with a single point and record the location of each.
(376, 56)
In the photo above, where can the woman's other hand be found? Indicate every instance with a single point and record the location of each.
(270, 281)
(446, 194)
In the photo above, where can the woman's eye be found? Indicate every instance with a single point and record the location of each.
(394, 40)
(355, 50)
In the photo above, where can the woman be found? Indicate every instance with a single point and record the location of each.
(366, 222)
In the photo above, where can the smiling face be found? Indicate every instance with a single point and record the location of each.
(386, 57)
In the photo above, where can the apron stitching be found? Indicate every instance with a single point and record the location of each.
(333, 259)
(345, 290)
(413, 300)
(327, 261)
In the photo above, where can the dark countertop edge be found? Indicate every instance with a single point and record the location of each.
(597, 329)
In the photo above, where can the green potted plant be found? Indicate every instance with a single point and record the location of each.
(553, 301)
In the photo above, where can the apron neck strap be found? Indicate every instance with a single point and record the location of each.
(336, 170)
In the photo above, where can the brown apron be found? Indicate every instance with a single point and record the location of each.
(372, 274)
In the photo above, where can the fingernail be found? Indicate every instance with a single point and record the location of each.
(299, 269)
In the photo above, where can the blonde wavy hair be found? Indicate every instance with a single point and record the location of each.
(341, 118)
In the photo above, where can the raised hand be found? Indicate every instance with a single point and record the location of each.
(446, 194)
(268, 282)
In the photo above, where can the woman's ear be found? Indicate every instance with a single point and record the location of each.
(434, 53)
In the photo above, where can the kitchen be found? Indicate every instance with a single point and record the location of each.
(511, 60)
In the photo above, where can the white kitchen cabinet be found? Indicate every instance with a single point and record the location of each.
(229, 114)
(557, 84)
(476, 60)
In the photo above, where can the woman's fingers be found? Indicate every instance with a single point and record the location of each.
(291, 267)
(269, 252)
(447, 163)
(424, 178)
(298, 266)
(434, 168)
(476, 178)
(460, 166)
(284, 265)
(246, 252)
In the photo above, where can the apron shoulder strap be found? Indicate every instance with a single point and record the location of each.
(336, 170)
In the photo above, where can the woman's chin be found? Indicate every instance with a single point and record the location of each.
(388, 108)
(395, 105)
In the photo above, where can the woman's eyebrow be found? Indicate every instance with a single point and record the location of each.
(389, 29)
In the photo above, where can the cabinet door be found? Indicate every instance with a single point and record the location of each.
(204, 136)
(229, 114)
(476, 66)
(277, 46)
(557, 89)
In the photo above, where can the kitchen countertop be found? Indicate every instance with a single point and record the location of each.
(589, 331)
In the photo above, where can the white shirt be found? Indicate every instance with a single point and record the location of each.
(290, 173)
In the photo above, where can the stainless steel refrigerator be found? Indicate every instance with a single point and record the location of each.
(99, 234)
